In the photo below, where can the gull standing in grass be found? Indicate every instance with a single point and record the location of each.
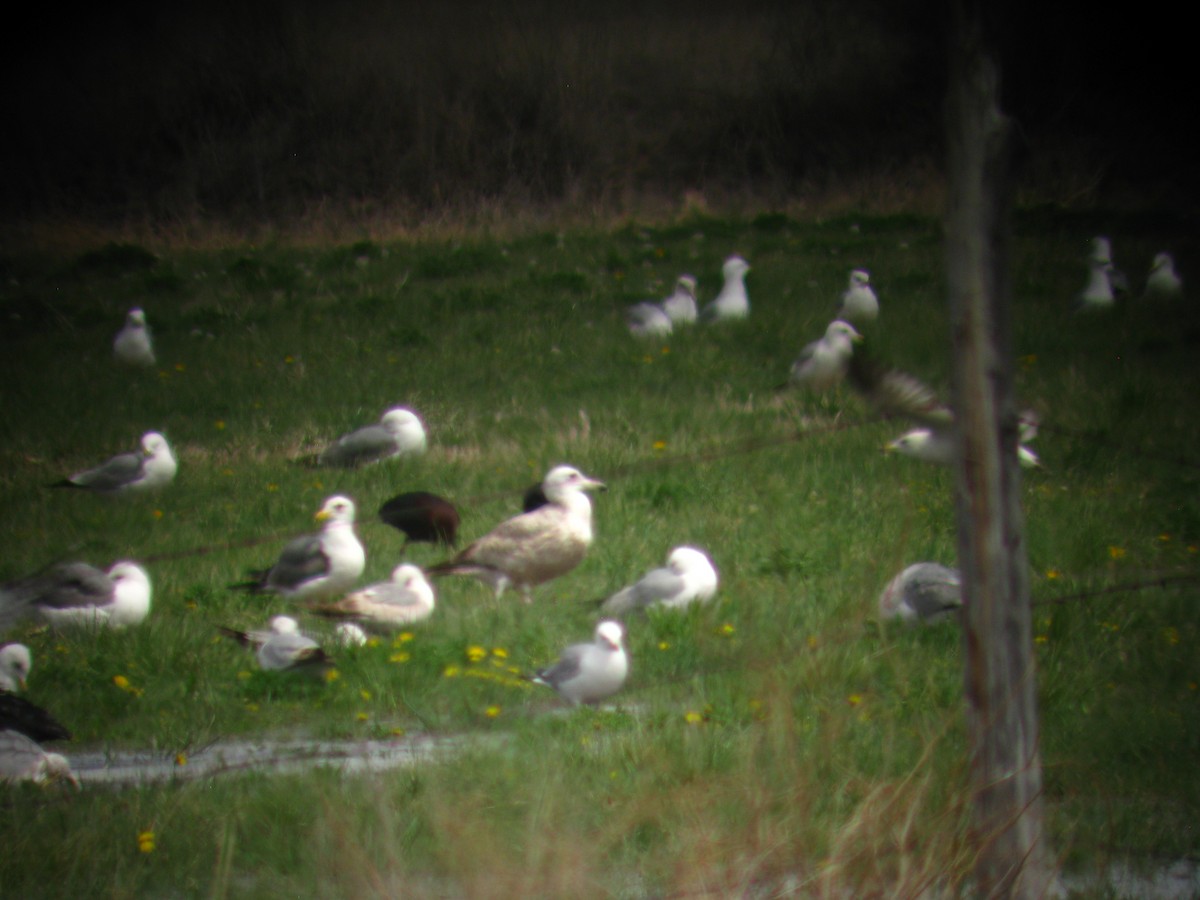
(859, 303)
(1163, 283)
(1102, 254)
(132, 345)
(680, 307)
(422, 517)
(17, 713)
(533, 547)
(1098, 292)
(316, 566)
(733, 302)
(21, 759)
(398, 433)
(407, 597)
(824, 362)
(282, 646)
(77, 594)
(589, 673)
(923, 592)
(688, 577)
(153, 466)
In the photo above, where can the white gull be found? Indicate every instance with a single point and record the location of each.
(859, 303)
(132, 345)
(732, 302)
(405, 598)
(589, 673)
(151, 466)
(398, 433)
(688, 577)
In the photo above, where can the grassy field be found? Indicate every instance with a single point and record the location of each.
(779, 739)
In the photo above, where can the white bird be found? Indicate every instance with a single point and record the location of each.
(1163, 282)
(407, 597)
(132, 345)
(347, 634)
(681, 305)
(923, 592)
(1102, 255)
(732, 302)
(316, 566)
(77, 594)
(688, 577)
(281, 646)
(824, 362)
(589, 673)
(648, 320)
(533, 547)
(21, 759)
(936, 445)
(153, 466)
(15, 663)
(399, 432)
(1097, 294)
(859, 303)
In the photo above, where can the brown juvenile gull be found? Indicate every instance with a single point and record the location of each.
(281, 646)
(589, 673)
(77, 593)
(316, 566)
(688, 577)
(923, 592)
(407, 597)
(21, 759)
(132, 345)
(398, 433)
(152, 466)
(422, 517)
(533, 547)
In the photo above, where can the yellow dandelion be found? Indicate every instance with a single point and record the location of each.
(397, 732)
(272, 486)
(404, 637)
(372, 641)
(1171, 633)
(1052, 574)
(179, 367)
(400, 657)
(1191, 548)
(647, 359)
(492, 712)
(665, 351)
(362, 717)
(365, 694)
(227, 472)
(692, 717)
(726, 629)
(332, 675)
(1164, 537)
(1041, 639)
(252, 707)
(1116, 552)
(289, 359)
(158, 514)
(450, 671)
(145, 840)
(660, 445)
(499, 653)
(854, 699)
(812, 642)
(475, 653)
(663, 645)
(219, 424)
(243, 674)
(181, 759)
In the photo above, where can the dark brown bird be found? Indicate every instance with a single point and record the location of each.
(18, 714)
(422, 517)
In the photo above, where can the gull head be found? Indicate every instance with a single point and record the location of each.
(564, 480)
(687, 284)
(154, 443)
(735, 267)
(337, 509)
(131, 593)
(136, 318)
(685, 559)
(1101, 251)
(912, 442)
(284, 625)
(15, 663)
(860, 278)
(839, 330)
(609, 634)
(400, 419)
(407, 575)
(1162, 261)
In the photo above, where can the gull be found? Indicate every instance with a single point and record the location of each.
(533, 547)
(589, 673)
(316, 566)
(153, 466)
(17, 713)
(398, 433)
(422, 517)
(859, 303)
(732, 302)
(407, 597)
(21, 759)
(823, 363)
(281, 646)
(78, 594)
(688, 577)
(923, 592)
(680, 307)
(648, 320)
(347, 634)
(1098, 293)
(1163, 282)
(132, 345)
(936, 445)
(1102, 255)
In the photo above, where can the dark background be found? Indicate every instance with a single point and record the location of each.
(258, 111)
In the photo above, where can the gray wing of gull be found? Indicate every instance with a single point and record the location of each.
(301, 560)
(657, 586)
(123, 469)
(933, 590)
(365, 445)
(569, 665)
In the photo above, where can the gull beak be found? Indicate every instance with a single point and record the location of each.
(321, 515)
(591, 484)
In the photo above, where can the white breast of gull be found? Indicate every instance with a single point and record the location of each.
(132, 345)
(533, 547)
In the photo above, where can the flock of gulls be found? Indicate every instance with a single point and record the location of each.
(319, 572)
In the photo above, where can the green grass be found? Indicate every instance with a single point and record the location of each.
(777, 737)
